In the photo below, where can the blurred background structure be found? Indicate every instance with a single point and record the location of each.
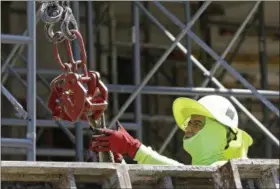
(237, 41)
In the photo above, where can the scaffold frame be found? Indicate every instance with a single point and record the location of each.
(29, 119)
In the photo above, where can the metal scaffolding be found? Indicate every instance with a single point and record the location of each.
(30, 120)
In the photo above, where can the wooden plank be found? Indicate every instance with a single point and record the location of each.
(254, 168)
(120, 179)
(78, 168)
(227, 177)
(269, 179)
(67, 181)
(168, 170)
(152, 173)
(112, 175)
(123, 177)
(165, 183)
(30, 177)
(193, 183)
(50, 178)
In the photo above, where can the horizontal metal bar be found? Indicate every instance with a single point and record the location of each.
(164, 90)
(40, 152)
(52, 123)
(191, 91)
(184, 91)
(15, 39)
(235, 25)
(16, 142)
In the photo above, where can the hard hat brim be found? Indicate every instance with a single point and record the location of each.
(184, 107)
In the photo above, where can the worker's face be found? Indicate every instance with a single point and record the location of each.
(195, 124)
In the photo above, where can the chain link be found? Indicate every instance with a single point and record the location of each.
(58, 12)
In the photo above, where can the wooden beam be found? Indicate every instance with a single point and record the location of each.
(118, 175)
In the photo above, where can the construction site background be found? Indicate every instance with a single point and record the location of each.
(111, 43)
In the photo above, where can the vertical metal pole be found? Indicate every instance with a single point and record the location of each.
(188, 46)
(76, 13)
(137, 67)
(263, 68)
(113, 55)
(76, 54)
(160, 61)
(90, 36)
(97, 45)
(31, 79)
(205, 32)
(146, 65)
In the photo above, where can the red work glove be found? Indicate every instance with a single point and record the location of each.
(116, 141)
(118, 157)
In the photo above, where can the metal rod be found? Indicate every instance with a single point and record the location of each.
(188, 45)
(114, 56)
(45, 83)
(90, 36)
(235, 25)
(228, 67)
(18, 107)
(53, 124)
(79, 147)
(76, 14)
(84, 124)
(181, 91)
(214, 80)
(230, 45)
(15, 39)
(159, 62)
(16, 142)
(168, 139)
(98, 46)
(31, 79)
(205, 31)
(137, 67)
(263, 67)
(191, 91)
(41, 101)
(76, 52)
(147, 58)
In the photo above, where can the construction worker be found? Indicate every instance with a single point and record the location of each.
(211, 134)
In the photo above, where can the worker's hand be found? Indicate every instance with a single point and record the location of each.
(118, 157)
(116, 141)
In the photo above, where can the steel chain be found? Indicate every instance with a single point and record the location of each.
(54, 13)
(74, 95)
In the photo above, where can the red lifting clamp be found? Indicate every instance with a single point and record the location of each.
(76, 96)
